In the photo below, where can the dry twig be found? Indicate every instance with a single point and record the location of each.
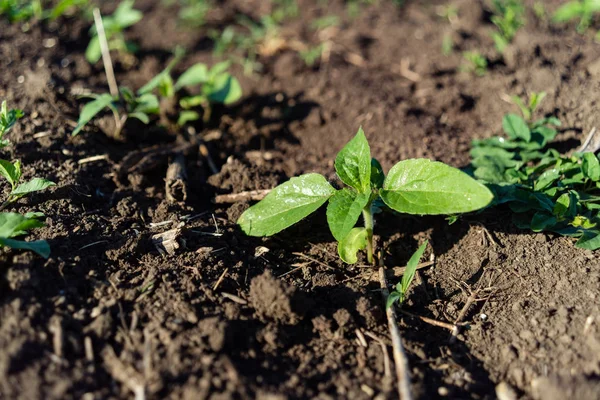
(252, 195)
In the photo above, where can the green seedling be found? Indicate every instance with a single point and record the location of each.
(416, 186)
(23, 11)
(11, 171)
(325, 22)
(13, 225)
(218, 86)
(114, 27)
(399, 295)
(529, 107)
(584, 10)
(192, 13)
(476, 63)
(124, 106)
(508, 18)
(311, 55)
(545, 190)
(448, 45)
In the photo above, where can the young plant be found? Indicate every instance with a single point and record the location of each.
(584, 10)
(476, 63)
(11, 171)
(508, 18)
(124, 106)
(23, 11)
(13, 225)
(399, 294)
(218, 86)
(114, 26)
(416, 186)
(529, 107)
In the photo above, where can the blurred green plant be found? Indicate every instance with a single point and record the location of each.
(509, 16)
(584, 10)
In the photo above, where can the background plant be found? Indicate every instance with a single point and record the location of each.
(123, 17)
(399, 295)
(546, 191)
(475, 63)
(509, 16)
(12, 224)
(584, 10)
(26, 10)
(416, 186)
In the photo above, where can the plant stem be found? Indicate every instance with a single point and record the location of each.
(368, 217)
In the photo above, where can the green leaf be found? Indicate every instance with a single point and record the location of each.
(34, 185)
(568, 11)
(542, 221)
(41, 247)
(392, 298)
(91, 109)
(285, 205)
(546, 179)
(516, 127)
(355, 241)
(343, 211)
(13, 224)
(125, 15)
(353, 163)
(589, 241)
(421, 186)
(187, 116)
(591, 166)
(562, 205)
(411, 268)
(195, 75)
(225, 89)
(143, 117)
(377, 175)
(218, 69)
(93, 53)
(8, 170)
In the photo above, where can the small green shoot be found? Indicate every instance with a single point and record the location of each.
(508, 18)
(13, 225)
(448, 45)
(399, 294)
(416, 186)
(27, 10)
(114, 26)
(218, 86)
(584, 10)
(475, 63)
(124, 106)
(529, 107)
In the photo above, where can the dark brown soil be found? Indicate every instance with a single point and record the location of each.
(230, 316)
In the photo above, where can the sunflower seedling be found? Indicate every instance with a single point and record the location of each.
(416, 186)
(114, 26)
(218, 86)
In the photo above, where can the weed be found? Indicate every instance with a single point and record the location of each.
(508, 18)
(123, 17)
(584, 10)
(476, 63)
(417, 186)
(529, 107)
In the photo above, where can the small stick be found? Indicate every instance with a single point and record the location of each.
(313, 260)
(220, 279)
(434, 322)
(386, 356)
(361, 338)
(251, 195)
(209, 160)
(92, 159)
(175, 181)
(400, 359)
(463, 312)
(234, 298)
(108, 66)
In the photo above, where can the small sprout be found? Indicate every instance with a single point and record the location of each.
(13, 225)
(8, 118)
(508, 18)
(399, 294)
(529, 107)
(114, 27)
(24, 11)
(584, 10)
(218, 86)
(311, 55)
(448, 45)
(192, 13)
(325, 22)
(124, 106)
(476, 63)
(417, 186)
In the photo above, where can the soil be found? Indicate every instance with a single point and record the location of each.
(228, 316)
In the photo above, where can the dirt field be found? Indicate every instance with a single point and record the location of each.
(107, 316)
